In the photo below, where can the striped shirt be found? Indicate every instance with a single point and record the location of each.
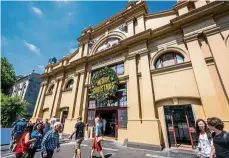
(50, 141)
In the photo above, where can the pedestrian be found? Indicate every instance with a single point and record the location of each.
(23, 146)
(17, 133)
(220, 138)
(79, 137)
(96, 145)
(104, 125)
(53, 121)
(205, 140)
(37, 134)
(51, 141)
(47, 126)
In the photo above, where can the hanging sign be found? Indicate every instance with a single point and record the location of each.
(104, 84)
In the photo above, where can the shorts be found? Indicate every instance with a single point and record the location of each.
(78, 142)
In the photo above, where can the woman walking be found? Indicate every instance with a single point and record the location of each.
(22, 149)
(205, 139)
(96, 145)
(37, 134)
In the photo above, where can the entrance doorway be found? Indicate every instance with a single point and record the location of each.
(110, 117)
(64, 116)
(180, 125)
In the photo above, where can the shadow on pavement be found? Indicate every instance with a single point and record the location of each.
(106, 156)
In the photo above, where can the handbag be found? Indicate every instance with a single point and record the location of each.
(100, 138)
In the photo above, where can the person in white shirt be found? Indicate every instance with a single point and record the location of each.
(53, 121)
(205, 140)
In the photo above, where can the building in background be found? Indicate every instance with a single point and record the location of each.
(149, 75)
(27, 87)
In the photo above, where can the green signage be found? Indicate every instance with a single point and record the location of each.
(104, 84)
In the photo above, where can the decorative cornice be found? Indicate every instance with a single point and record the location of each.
(191, 38)
(211, 31)
(160, 14)
(131, 56)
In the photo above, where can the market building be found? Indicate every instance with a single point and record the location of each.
(149, 75)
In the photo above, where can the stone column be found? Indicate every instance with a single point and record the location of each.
(204, 82)
(41, 103)
(221, 56)
(141, 24)
(148, 105)
(130, 26)
(85, 97)
(85, 49)
(38, 101)
(133, 99)
(74, 91)
(80, 93)
(57, 97)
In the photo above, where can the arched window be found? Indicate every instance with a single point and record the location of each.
(69, 84)
(169, 59)
(50, 90)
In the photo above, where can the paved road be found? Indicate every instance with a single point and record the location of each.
(111, 150)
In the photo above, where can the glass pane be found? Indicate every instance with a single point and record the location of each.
(179, 59)
(168, 60)
(123, 118)
(158, 64)
(120, 69)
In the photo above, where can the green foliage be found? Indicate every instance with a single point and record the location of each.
(102, 92)
(8, 75)
(12, 107)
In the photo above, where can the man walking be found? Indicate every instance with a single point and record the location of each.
(220, 138)
(79, 131)
(51, 141)
(47, 126)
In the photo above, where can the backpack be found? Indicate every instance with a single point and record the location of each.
(80, 130)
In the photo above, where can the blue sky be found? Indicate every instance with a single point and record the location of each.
(32, 32)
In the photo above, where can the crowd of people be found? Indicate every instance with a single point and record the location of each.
(213, 141)
(28, 138)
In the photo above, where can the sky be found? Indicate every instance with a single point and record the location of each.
(33, 31)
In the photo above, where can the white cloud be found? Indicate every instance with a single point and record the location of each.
(32, 47)
(41, 67)
(37, 11)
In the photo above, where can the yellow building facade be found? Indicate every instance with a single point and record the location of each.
(171, 68)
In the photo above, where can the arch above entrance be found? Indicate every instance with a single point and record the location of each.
(108, 41)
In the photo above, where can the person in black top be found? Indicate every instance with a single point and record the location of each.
(79, 131)
(220, 138)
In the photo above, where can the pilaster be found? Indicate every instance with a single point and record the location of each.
(202, 75)
(221, 55)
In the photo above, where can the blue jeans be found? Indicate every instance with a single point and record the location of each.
(49, 154)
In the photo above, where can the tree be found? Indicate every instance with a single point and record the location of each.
(8, 75)
(13, 107)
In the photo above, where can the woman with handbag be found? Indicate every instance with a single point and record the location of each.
(23, 147)
(96, 145)
(205, 140)
(37, 134)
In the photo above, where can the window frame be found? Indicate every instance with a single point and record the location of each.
(161, 60)
(50, 89)
(69, 82)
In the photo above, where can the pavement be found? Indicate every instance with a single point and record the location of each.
(111, 150)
